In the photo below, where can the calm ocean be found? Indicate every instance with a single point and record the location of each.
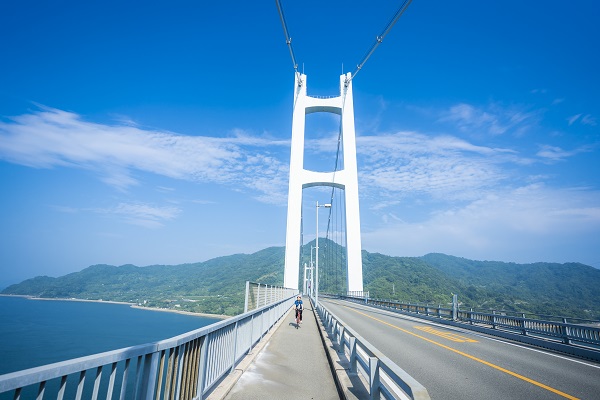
(35, 332)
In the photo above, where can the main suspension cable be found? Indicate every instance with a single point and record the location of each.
(288, 39)
(379, 39)
(359, 66)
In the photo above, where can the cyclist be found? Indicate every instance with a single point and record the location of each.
(298, 306)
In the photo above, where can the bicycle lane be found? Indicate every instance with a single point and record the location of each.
(292, 365)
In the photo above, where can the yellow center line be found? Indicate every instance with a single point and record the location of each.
(489, 364)
(446, 335)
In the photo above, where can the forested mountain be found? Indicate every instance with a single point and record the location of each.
(570, 289)
(217, 286)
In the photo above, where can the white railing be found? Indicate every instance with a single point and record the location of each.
(381, 376)
(576, 339)
(259, 295)
(188, 366)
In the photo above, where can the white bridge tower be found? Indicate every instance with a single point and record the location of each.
(345, 178)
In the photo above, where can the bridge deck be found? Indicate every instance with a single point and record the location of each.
(291, 365)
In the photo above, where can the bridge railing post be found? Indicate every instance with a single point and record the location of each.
(566, 332)
(523, 325)
(247, 296)
(202, 367)
(149, 376)
(258, 296)
(352, 351)
(341, 337)
(454, 307)
(235, 342)
(374, 390)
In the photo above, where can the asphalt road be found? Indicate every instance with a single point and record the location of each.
(459, 364)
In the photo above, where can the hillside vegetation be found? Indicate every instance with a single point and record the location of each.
(217, 286)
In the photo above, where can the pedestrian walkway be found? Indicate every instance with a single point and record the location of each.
(292, 365)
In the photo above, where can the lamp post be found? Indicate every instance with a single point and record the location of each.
(317, 254)
(304, 281)
(312, 275)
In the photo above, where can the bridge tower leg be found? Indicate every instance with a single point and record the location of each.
(301, 178)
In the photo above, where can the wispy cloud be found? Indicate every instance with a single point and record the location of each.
(492, 119)
(516, 224)
(583, 119)
(140, 214)
(589, 120)
(409, 163)
(555, 153)
(51, 137)
(573, 119)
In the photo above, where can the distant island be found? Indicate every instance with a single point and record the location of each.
(217, 286)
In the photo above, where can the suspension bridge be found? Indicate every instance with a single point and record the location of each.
(348, 345)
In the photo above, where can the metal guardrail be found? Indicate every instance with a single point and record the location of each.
(187, 366)
(581, 340)
(565, 332)
(259, 294)
(382, 377)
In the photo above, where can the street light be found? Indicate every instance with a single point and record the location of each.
(304, 281)
(308, 279)
(312, 270)
(317, 254)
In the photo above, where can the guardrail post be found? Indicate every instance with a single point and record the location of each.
(374, 390)
(251, 334)
(258, 296)
(352, 350)
(341, 337)
(523, 325)
(202, 367)
(454, 307)
(334, 330)
(235, 340)
(566, 331)
(247, 296)
(149, 377)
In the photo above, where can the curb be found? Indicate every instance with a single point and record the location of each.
(349, 384)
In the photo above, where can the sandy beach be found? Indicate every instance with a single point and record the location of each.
(181, 312)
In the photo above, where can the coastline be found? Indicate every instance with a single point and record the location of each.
(219, 316)
(132, 305)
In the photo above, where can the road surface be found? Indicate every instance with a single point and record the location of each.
(460, 364)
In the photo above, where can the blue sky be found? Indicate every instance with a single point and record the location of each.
(155, 133)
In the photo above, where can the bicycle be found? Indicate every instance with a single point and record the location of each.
(298, 307)
(298, 316)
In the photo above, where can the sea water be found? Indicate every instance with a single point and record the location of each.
(39, 332)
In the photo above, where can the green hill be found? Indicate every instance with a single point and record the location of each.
(569, 289)
(217, 286)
